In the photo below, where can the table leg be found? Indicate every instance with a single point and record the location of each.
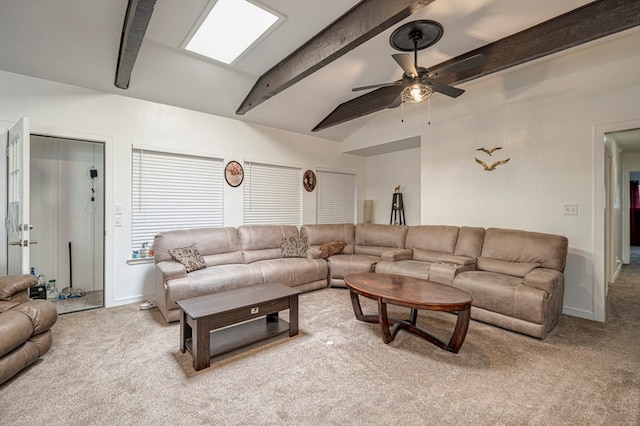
(355, 302)
(200, 345)
(413, 319)
(184, 333)
(357, 309)
(293, 315)
(460, 332)
(383, 320)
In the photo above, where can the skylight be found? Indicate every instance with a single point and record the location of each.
(229, 29)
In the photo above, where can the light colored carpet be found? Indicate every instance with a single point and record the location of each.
(121, 366)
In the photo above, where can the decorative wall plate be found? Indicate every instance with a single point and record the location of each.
(309, 180)
(233, 173)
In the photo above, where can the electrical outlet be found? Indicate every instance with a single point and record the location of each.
(570, 209)
(255, 310)
(117, 221)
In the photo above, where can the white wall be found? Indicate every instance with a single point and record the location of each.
(545, 115)
(66, 111)
(385, 172)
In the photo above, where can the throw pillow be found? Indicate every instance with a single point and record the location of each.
(189, 256)
(293, 247)
(332, 248)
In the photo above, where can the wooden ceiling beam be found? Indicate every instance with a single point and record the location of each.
(363, 22)
(135, 25)
(584, 24)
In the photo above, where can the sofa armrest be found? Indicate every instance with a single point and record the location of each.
(444, 273)
(396, 255)
(170, 270)
(314, 253)
(14, 284)
(544, 279)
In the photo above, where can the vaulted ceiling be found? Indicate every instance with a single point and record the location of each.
(77, 42)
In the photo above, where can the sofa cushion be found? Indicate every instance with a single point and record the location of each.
(213, 279)
(435, 238)
(262, 242)
(210, 242)
(512, 245)
(342, 265)
(290, 271)
(409, 268)
(332, 248)
(318, 234)
(469, 241)
(293, 247)
(516, 269)
(439, 257)
(380, 236)
(189, 256)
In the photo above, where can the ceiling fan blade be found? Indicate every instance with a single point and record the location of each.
(379, 99)
(407, 65)
(454, 92)
(463, 65)
(375, 86)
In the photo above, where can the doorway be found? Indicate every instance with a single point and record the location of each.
(67, 213)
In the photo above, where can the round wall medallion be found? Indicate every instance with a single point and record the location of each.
(234, 173)
(309, 180)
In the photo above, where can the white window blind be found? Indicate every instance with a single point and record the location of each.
(173, 191)
(272, 194)
(336, 197)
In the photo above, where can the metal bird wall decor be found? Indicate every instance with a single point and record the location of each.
(489, 151)
(492, 167)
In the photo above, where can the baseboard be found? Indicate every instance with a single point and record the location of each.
(580, 313)
(130, 299)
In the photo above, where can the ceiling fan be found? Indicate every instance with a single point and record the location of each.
(417, 83)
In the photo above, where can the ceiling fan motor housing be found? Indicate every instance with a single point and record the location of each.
(416, 35)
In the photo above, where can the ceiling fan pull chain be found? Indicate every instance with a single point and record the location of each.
(402, 112)
(429, 111)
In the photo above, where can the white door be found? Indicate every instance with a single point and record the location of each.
(18, 227)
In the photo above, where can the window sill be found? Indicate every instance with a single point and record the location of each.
(138, 261)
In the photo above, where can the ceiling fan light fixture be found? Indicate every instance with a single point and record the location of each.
(416, 93)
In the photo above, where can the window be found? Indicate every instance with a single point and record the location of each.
(272, 194)
(336, 197)
(173, 191)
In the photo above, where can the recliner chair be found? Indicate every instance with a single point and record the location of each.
(25, 325)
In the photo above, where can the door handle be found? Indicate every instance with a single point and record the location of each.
(22, 243)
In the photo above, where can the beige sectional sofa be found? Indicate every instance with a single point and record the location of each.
(515, 277)
(235, 257)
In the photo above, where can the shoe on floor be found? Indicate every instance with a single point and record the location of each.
(146, 305)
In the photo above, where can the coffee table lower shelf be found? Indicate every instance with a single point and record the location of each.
(217, 323)
(244, 334)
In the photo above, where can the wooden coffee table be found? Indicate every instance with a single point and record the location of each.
(200, 315)
(412, 293)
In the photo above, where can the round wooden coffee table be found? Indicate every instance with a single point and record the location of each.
(412, 293)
